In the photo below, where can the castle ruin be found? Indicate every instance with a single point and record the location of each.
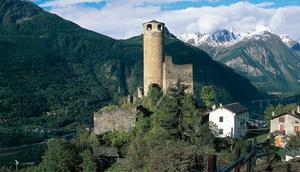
(121, 119)
(159, 69)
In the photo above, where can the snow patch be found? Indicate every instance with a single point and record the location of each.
(288, 40)
(222, 37)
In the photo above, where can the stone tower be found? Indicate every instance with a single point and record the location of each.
(153, 53)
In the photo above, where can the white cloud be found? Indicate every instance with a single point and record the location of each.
(286, 20)
(121, 19)
(58, 3)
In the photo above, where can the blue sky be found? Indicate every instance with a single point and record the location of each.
(199, 3)
(122, 18)
(195, 3)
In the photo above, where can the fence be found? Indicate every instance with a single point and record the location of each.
(236, 165)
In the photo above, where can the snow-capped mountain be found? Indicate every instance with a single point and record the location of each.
(259, 33)
(222, 37)
(269, 61)
(228, 37)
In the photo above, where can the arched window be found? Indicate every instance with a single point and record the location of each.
(159, 27)
(149, 27)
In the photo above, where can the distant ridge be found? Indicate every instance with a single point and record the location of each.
(269, 61)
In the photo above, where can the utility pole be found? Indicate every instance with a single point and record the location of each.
(17, 163)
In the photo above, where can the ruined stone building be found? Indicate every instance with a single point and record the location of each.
(120, 119)
(159, 69)
(172, 73)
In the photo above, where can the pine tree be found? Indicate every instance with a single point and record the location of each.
(88, 163)
(60, 156)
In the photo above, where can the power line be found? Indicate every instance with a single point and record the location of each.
(255, 129)
(249, 119)
(264, 129)
(237, 116)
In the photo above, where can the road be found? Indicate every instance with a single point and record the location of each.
(4, 152)
(18, 149)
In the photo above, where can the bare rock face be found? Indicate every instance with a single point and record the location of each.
(262, 57)
(239, 64)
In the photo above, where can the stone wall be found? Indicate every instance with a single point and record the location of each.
(118, 119)
(172, 73)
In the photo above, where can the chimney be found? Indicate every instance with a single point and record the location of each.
(273, 113)
(298, 109)
(213, 107)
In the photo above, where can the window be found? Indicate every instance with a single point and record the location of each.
(296, 122)
(296, 128)
(281, 119)
(159, 27)
(149, 27)
(221, 119)
(220, 131)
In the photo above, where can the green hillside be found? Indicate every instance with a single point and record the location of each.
(54, 73)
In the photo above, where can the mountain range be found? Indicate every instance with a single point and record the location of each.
(54, 72)
(271, 62)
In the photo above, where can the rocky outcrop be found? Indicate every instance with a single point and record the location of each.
(262, 57)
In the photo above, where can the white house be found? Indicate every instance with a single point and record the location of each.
(230, 120)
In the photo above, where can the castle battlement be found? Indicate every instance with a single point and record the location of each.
(172, 73)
